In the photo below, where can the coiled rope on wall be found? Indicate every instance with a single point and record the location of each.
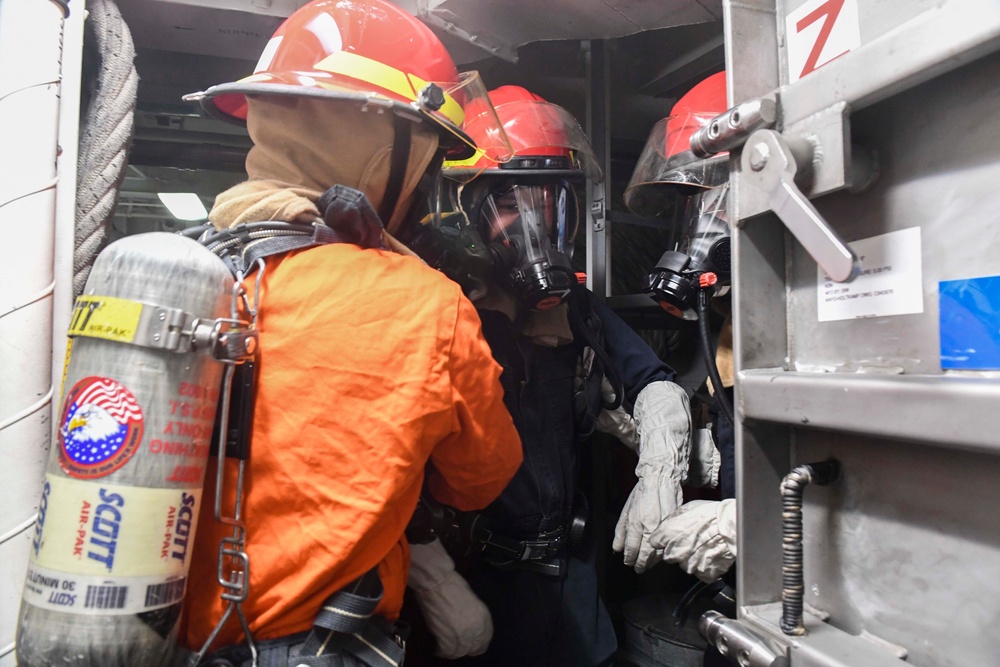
(107, 125)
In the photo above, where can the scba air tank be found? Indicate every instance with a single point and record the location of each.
(123, 485)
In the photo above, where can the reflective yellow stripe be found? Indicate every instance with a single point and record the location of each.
(451, 109)
(387, 77)
(254, 78)
(459, 164)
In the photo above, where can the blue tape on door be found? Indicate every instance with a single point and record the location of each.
(970, 323)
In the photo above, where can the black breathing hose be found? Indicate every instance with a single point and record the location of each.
(709, 351)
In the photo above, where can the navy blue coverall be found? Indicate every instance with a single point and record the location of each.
(541, 619)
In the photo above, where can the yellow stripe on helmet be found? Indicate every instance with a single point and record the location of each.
(387, 77)
(462, 164)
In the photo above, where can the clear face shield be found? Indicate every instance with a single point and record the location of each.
(532, 229)
(463, 109)
(667, 169)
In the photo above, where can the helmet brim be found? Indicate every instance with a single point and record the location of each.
(467, 175)
(216, 100)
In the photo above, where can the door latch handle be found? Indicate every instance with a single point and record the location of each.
(770, 162)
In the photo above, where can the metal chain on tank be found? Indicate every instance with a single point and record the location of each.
(235, 580)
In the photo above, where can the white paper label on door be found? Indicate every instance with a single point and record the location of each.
(890, 283)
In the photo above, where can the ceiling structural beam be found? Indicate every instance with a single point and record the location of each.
(692, 65)
(146, 189)
(500, 27)
(452, 24)
(281, 8)
(187, 156)
(193, 137)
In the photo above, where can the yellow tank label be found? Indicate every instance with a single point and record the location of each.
(110, 549)
(105, 317)
(89, 528)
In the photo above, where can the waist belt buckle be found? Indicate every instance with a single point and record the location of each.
(535, 549)
(546, 545)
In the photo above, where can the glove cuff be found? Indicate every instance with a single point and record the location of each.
(663, 419)
(727, 523)
(705, 460)
(619, 424)
(430, 566)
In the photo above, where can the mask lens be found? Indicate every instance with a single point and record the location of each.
(561, 226)
(501, 214)
(538, 213)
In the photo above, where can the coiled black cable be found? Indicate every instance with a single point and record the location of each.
(792, 577)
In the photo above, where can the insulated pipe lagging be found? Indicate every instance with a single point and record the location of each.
(30, 57)
(793, 486)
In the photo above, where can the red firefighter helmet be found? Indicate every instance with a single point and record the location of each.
(546, 140)
(369, 50)
(667, 167)
(527, 204)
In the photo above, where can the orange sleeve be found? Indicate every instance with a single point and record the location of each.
(475, 462)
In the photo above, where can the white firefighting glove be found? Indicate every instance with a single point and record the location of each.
(703, 471)
(617, 423)
(460, 622)
(700, 537)
(703, 468)
(663, 419)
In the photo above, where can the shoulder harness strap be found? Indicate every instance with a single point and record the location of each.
(348, 217)
(241, 246)
(597, 364)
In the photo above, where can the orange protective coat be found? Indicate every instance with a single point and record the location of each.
(371, 364)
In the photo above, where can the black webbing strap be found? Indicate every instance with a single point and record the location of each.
(277, 245)
(397, 168)
(346, 625)
(241, 246)
(586, 322)
(542, 553)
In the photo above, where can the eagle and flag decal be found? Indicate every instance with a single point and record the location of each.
(100, 428)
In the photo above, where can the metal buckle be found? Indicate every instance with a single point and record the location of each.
(236, 579)
(233, 341)
(546, 545)
(533, 550)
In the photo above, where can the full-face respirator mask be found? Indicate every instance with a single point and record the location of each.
(517, 233)
(701, 260)
(510, 221)
(530, 229)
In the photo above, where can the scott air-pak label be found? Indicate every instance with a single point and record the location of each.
(110, 549)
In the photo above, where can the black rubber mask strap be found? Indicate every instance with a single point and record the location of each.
(397, 168)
